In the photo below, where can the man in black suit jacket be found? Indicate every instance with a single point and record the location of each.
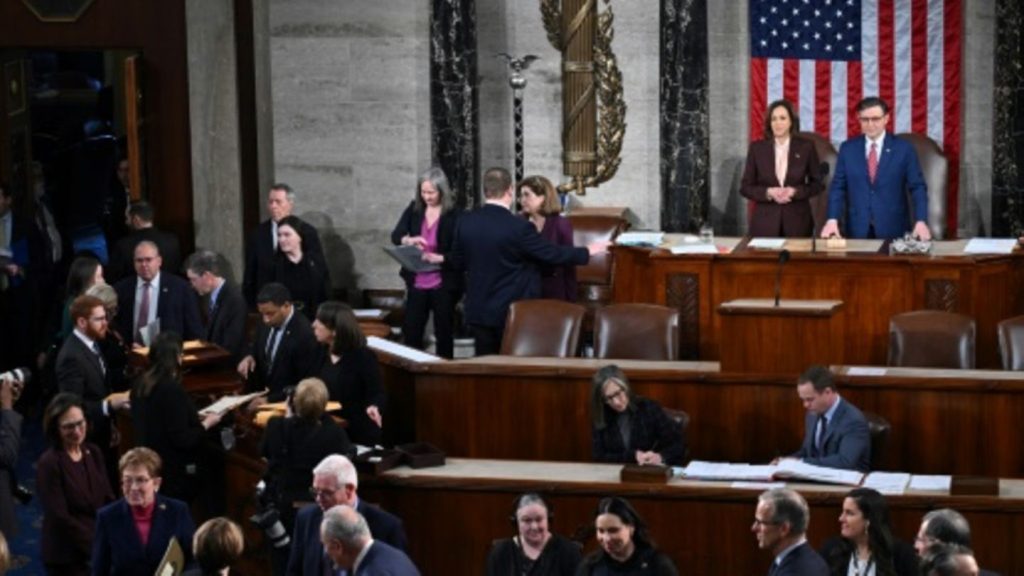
(10, 441)
(349, 545)
(262, 244)
(335, 482)
(140, 220)
(285, 349)
(80, 368)
(944, 526)
(780, 524)
(500, 253)
(169, 299)
(225, 308)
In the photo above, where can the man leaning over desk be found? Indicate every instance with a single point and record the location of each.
(836, 432)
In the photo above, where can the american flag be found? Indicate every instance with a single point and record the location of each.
(825, 55)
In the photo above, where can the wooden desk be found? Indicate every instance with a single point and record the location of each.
(453, 513)
(943, 421)
(873, 288)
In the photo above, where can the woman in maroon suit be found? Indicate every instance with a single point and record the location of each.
(542, 206)
(782, 173)
(72, 481)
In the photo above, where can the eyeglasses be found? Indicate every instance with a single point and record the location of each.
(128, 481)
(759, 522)
(321, 493)
(611, 397)
(870, 119)
(926, 540)
(98, 319)
(69, 426)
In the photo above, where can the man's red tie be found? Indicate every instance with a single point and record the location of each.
(873, 163)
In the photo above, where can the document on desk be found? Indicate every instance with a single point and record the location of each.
(791, 468)
(649, 239)
(931, 483)
(230, 402)
(694, 249)
(703, 470)
(888, 482)
(990, 246)
(767, 243)
(400, 350)
(786, 469)
(865, 371)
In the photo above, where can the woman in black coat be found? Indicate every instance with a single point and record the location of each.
(866, 539)
(625, 547)
(630, 429)
(293, 267)
(429, 223)
(534, 550)
(166, 421)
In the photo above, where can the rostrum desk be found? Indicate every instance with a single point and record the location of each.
(872, 287)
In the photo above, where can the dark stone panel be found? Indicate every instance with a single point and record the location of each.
(455, 129)
(685, 136)
(1008, 120)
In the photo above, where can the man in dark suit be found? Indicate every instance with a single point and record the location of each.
(80, 369)
(150, 295)
(780, 524)
(10, 440)
(285, 348)
(225, 308)
(21, 253)
(140, 220)
(941, 527)
(262, 243)
(500, 253)
(335, 483)
(950, 560)
(874, 172)
(348, 543)
(836, 432)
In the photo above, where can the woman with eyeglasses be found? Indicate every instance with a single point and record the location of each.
(72, 481)
(630, 429)
(866, 546)
(534, 550)
(133, 533)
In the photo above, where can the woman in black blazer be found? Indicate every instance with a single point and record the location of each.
(294, 267)
(429, 223)
(72, 481)
(781, 201)
(166, 420)
(866, 540)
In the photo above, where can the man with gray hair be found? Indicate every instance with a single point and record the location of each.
(780, 524)
(335, 482)
(944, 526)
(949, 560)
(347, 541)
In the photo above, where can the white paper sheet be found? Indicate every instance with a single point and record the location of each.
(888, 482)
(401, 351)
(694, 249)
(936, 483)
(865, 371)
(767, 243)
(640, 238)
(990, 246)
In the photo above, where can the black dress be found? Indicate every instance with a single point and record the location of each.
(650, 429)
(167, 422)
(560, 557)
(643, 562)
(305, 280)
(836, 552)
(355, 382)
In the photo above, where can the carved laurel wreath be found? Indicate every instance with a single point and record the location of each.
(611, 106)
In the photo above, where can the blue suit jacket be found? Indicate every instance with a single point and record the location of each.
(500, 253)
(177, 307)
(883, 203)
(847, 442)
(384, 560)
(117, 548)
(802, 561)
(307, 556)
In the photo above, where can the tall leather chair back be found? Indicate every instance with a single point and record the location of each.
(935, 168)
(1011, 343)
(931, 339)
(636, 332)
(826, 155)
(682, 419)
(542, 328)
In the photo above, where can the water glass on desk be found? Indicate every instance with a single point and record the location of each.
(707, 233)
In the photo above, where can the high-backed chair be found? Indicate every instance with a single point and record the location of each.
(545, 328)
(826, 155)
(931, 339)
(879, 429)
(636, 332)
(683, 420)
(1011, 343)
(594, 279)
(935, 168)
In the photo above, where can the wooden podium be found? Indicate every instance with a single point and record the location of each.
(758, 336)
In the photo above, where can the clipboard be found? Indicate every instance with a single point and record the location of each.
(173, 562)
(411, 258)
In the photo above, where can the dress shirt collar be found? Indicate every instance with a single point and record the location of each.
(868, 142)
(497, 203)
(782, 555)
(154, 283)
(832, 411)
(216, 294)
(85, 339)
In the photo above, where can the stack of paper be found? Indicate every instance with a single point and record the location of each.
(888, 482)
(787, 468)
(930, 483)
(649, 239)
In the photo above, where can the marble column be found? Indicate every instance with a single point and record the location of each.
(684, 115)
(1008, 121)
(453, 96)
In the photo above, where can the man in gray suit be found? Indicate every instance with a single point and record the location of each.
(836, 432)
(347, 541)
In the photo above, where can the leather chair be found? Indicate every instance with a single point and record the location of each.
(826, 155)
(594, 279)
(636, 332)
(683, 420)
(1011, 343)
(879, 429)
(931, 339)
(935, 167)
(544, 328)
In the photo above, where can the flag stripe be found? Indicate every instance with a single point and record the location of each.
(951, 82)
(902, 66)
(758, 89)
(822, 98)
(791, 80)
(808, 92)
(886, 51)
(921, 66)
(840, 107)
(936, 62)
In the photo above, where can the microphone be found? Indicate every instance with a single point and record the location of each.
(783, 258)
